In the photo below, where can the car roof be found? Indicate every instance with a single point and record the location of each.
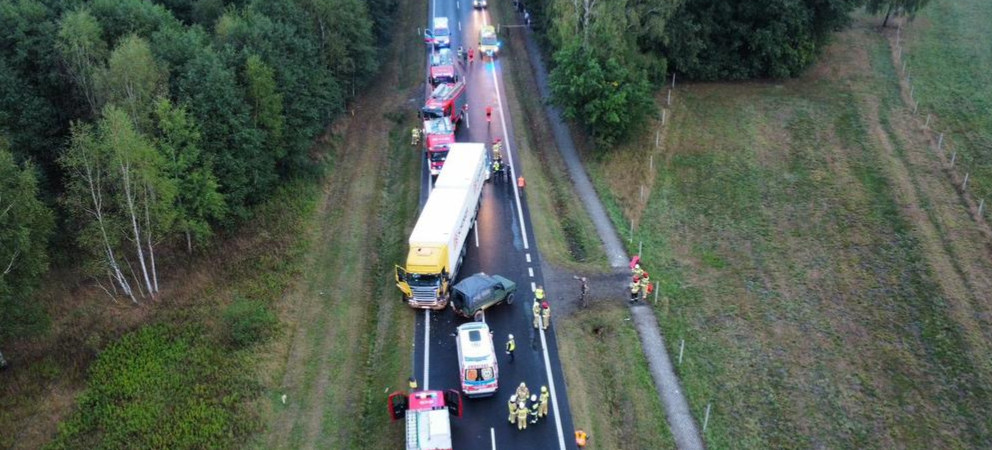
(475, 342)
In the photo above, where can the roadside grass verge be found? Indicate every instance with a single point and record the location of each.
(799, 264)
(948, 53)
(610, 389)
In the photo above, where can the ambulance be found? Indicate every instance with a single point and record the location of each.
(479, 372)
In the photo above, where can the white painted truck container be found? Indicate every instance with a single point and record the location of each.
(469, 163)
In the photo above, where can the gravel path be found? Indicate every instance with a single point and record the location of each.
(680, 419)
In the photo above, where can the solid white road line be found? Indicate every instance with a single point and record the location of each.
(530, 271)
(551, 386)
(427, 348)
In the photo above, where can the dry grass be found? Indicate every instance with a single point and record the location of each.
(830, 285)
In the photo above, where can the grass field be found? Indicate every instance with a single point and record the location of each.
(948, 53)
(831, 289)
(609, 387)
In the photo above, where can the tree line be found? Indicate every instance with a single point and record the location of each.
(130, 128)
(610, 56)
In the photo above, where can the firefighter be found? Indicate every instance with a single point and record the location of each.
(496, 150)
(536, 309)
(580, 438)
(522, 392)
(511, 345)
(638, 272)
(415, 136)
(522, 416)
(412, 383)
(546, 314)
(471, 56)
(635, 287)
(461, 54)
(512, 404)
(644, 284)
(539, 292)
(497, 169)
(542, 411)
(533, 410)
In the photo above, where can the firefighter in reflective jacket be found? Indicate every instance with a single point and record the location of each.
(534, 407)
(512, 404)
(635, 287)
(546, 314)
(415, 137)
(536, 309)
(542, 410)
(522, 415)
(522, 392)
(637, 270)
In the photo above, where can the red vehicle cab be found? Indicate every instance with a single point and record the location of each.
(438, 135)
(428, 426)
(443, 67)
(446, 100)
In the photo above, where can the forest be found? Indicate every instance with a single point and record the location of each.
(132, 129)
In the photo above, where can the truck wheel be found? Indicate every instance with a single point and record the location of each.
(509, 299)
(479, 316)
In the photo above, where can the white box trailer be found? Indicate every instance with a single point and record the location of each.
(437, 243)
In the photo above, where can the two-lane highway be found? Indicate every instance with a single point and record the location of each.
(502, 243)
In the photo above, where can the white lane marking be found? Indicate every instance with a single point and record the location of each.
(458, 5)
(459, 25)
(528, 257)
(509, 155)
(492, 435)
(530, 271)
(551, 386)
(476, 234)
(533, 287)
(433, 9)
(427, 349)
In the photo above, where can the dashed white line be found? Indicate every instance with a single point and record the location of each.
(533, 286)
(530, 271)
(459, 25)
(528, 257)
(492, 435)
(476, 233)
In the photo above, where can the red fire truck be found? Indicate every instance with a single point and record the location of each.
(446, 100)
(443, 67)
(438, 135)
(428, 426)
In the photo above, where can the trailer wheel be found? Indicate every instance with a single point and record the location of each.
(479, 315)
(509, 299)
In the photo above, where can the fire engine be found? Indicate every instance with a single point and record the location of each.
(438, 135)
(443, 67)
(428, 426)
(446, 100)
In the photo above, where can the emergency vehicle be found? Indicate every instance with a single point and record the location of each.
(439, 134)
(439, 34)
(443, 67)
(479, 372)
(488, 43)
(446, 100)
(428, 425)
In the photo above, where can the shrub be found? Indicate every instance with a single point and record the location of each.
(248, 322)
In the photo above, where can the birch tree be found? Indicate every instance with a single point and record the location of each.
(25, 226)
(83, 52)
(133, 79)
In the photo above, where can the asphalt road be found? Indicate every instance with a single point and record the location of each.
(502, 243)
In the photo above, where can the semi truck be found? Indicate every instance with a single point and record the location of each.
(439, 134)
(446, 100)
(437, 243)
(427, 414)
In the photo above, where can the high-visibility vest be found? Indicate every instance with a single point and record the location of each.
(510, 345)
(539, 293)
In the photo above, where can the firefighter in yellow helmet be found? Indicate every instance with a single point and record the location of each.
(415, 136)
(542, 410)
(637, 270)
(512, 404)
(536, 309)
(522, 392)
(522, 416)
(545, 314)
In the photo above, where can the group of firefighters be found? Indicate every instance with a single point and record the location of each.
(520, 409)
(640, 284)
